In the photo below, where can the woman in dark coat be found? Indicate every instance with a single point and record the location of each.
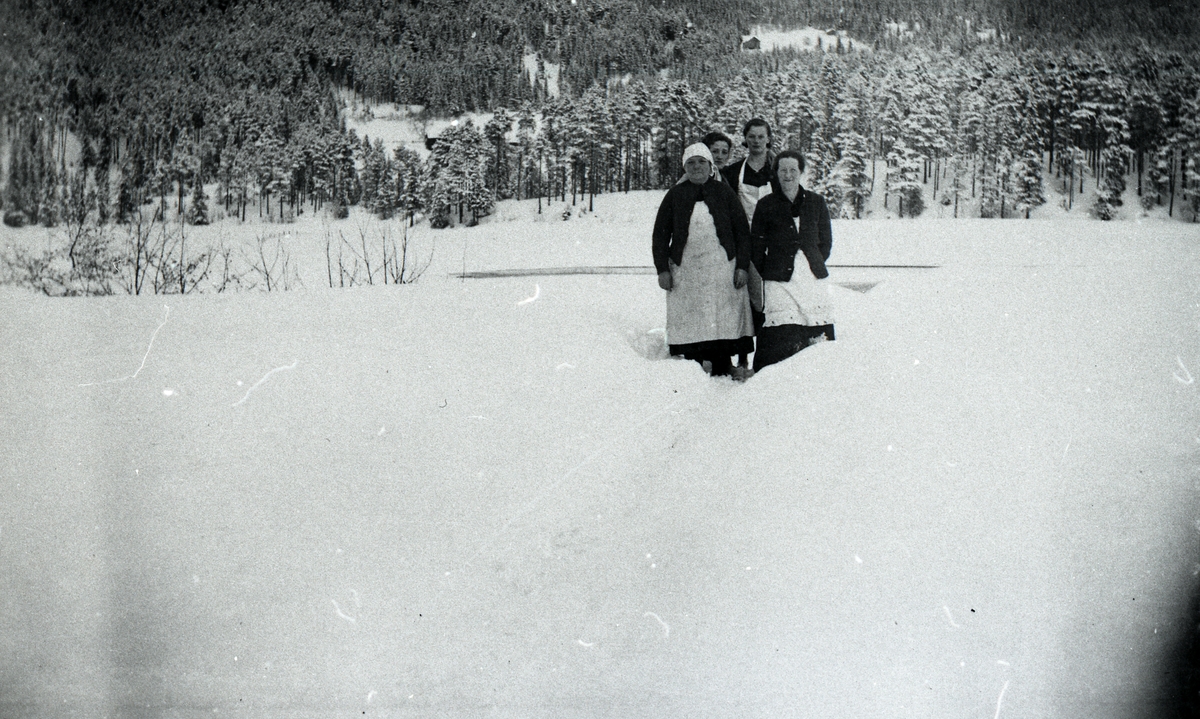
(701, 247)
(792, 240)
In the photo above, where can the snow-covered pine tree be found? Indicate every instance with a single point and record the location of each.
(1158, 175)
(828, 94)
(594, 131)
(741, 98)
(1187, 138)
(374, 173)
(552, 137)
(680, 126)
(1027, 182)
(850, 176)
(526, 151)
(184, 168)
(436, 183)
(925, 128)
(197, 212)
(475, 192)
(1145, 119)
(26, 175)
(387, 194)
(1026, 171)
(1191, 184)
(956, 187)
(800, 124)
(496, 132)
(1113, 165)
(455, 175)
(407, 182)
(891, 104)
(904, 179)
(1109, 185)
(819, 163)
(995, 182)
(996, 141)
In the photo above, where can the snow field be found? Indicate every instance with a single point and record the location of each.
(498, 498)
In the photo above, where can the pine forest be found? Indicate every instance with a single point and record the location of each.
(1001, 101)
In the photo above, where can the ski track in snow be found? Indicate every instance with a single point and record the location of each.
(166, 314)
(264, 379)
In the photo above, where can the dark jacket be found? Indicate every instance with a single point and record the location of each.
(776, 241)
(675, 215)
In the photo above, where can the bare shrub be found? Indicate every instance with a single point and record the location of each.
(270, 264)
(397, 265)
(355, 264)
(158, 259)
(88, 265)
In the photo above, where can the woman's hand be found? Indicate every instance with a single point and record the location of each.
(664, 280)
(740, 278)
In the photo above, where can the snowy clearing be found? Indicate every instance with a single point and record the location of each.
(804, 38)
(497, 497)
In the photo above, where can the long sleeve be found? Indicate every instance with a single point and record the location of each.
(824, 230)
(663, 227)
(741, 232)
(758, 237)
(817, 243)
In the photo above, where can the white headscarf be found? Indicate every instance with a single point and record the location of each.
(698, 150)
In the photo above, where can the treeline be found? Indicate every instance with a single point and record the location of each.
(996, 130)
(166, 96)
(995, 127)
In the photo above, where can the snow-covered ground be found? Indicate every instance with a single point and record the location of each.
(498, 497)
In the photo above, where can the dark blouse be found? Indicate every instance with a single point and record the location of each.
(753, 178)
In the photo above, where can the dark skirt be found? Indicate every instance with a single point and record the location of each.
(776, 344)
(717, 352)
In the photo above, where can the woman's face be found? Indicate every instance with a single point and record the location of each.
(698, 169)
(720, 152)
(789, 173)
(757, 140)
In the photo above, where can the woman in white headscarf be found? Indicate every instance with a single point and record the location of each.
(701, 248)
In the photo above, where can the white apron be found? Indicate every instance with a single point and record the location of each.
(802, 300)
(703, 304)
(749, 197)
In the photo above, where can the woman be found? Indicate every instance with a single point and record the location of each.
(752, 178)
(701, 248)
(719, 145)
(792, 241)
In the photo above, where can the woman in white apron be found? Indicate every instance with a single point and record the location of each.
(752, 178)
(792, 241)
(701, 247)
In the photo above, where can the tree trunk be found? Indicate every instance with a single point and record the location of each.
(1140, 164)
(1171, 184)
(1071, 185)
